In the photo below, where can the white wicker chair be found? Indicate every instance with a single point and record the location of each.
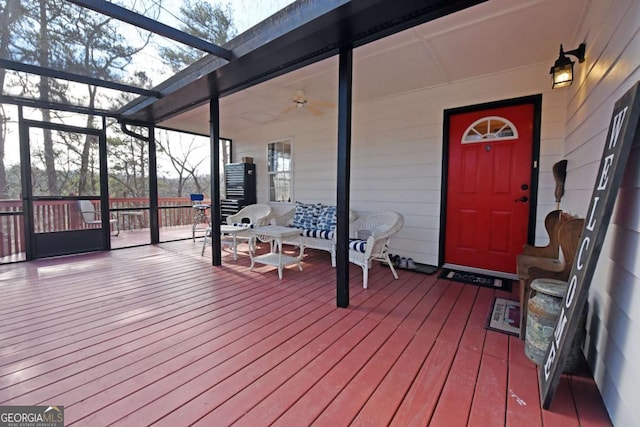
(256, 215)
(250, 216)
(369, 237)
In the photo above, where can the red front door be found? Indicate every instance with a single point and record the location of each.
(488, 187)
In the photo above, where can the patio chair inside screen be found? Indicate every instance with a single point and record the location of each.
(91, 216)
(369, 238)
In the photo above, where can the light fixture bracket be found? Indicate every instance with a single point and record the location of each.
(578, 52)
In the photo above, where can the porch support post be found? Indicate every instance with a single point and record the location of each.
(345, 72)
(154, 204)
(214, 135)
(25, 172)
(104, 185)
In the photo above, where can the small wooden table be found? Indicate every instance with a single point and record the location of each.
(230, 230)
(130, 216)
(274, 234)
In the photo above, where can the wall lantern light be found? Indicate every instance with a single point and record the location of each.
(562, 70)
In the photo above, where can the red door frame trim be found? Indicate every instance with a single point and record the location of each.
(536, 101)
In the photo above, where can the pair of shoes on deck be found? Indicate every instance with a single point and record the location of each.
(402, 262)
(407, 264)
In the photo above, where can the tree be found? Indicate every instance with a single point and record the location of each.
(75, 39)
(201, 19)
(129, 166)
(9, 15)
(182, 161)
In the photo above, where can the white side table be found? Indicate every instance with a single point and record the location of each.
(230, 230)
(275, 234)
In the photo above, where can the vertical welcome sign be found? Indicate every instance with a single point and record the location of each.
(623, 130)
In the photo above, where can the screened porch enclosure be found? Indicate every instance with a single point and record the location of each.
(58, 170)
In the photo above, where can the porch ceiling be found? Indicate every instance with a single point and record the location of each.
(488, 38)
(302, 33)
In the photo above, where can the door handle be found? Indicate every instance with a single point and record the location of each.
(522, 199)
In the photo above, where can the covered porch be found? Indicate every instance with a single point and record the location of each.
(156, 335)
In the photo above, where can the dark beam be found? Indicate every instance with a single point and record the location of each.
(154, 197)
(27, 186)
(214, 135)
(140, 21)
(345, 77)
(104, 185)
(35, 103)
(64, 75)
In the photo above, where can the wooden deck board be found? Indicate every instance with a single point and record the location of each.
(490, 397)
(177, 371)
(345, 407)
(156, 335)
(420, 402)
(138, 335)
(230, 399)
(454, 404)
(277, 403)
(523, 402)
(564, 412)
(588, 402)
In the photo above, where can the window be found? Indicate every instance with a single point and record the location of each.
(279, 171)
(494, 128)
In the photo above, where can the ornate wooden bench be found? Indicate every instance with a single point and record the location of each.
(540, 262)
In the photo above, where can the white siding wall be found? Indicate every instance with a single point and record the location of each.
(611, 31)
(397, 151)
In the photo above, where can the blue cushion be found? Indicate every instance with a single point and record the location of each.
(306, 215)
(319, 234)
(327, 218)
(358, 245)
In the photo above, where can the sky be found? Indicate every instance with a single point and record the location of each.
(245, 14)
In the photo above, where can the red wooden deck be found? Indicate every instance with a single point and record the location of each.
(156, 335)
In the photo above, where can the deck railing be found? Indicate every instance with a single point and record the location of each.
(63, 215)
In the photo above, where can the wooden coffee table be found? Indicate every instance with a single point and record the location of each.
(274, 234)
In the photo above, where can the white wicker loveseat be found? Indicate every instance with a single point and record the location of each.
(317, 224)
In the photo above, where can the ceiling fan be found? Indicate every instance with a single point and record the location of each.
(300, 101)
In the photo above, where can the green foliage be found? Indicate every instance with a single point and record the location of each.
(204, 20)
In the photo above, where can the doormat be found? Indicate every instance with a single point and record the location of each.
(424, 268)
(504, 316)
(476, 279)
